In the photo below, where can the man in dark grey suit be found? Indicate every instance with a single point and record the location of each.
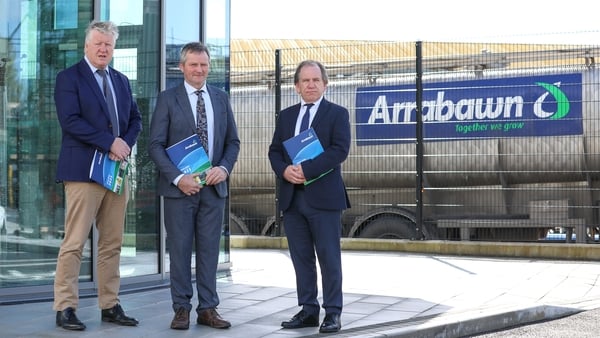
(312, 213)
(194, 211)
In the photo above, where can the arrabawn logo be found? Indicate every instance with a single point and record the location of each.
(562, 102)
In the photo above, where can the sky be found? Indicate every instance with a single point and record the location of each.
(520, 21)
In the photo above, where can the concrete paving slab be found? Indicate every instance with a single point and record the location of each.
(387, 294)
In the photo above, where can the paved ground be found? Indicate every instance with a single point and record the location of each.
(387, 294)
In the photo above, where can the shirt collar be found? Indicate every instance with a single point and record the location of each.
(92, 68)
(191, 90)
(316, 103)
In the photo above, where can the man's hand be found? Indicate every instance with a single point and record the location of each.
(294, 174)
(215, 175)
(189, 185)
(119, 150)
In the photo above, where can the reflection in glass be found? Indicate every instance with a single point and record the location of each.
(216, 37)
(182, 25)
(137, 56)
(38, 38)
(32, 51)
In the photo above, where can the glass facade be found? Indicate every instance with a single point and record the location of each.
(38, 38)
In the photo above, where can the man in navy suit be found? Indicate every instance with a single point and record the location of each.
(85, 120)
(312, 213)
(194, 211)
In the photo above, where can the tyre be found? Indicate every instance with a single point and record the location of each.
(389, 227)
(237, 226)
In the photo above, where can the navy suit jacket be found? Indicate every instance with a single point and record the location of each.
(83, 116)
(173, 120)
(332, 126)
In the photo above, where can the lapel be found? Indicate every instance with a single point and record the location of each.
(323, 107)
(117, 86)
(295, 109)
(219, 113)
(187, 111)
(90, 79)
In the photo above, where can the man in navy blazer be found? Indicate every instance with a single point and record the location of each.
(84, 116)
(194, 211)
(312, 213)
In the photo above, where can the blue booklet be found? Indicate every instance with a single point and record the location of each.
(304, 146)
(108, 173)
(190, 157)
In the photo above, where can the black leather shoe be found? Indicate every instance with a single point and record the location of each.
(331, 323)
(116, 315)
(68, 320)
(301, 319)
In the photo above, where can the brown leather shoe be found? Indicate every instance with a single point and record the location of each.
(210, 317)
(181, 320)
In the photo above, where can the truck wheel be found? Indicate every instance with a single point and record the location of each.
(269, 228)
(237, 226)
(389, 227)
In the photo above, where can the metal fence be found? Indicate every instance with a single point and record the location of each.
(459, 141)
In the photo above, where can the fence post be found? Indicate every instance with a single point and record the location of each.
(419, 139)
(278, 214)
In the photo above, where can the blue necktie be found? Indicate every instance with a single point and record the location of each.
(306, 118)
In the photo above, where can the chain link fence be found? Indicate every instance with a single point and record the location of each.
(457, 141)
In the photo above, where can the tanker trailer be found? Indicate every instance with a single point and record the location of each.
(502, 148)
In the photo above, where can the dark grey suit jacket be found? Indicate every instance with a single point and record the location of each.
(173, 120)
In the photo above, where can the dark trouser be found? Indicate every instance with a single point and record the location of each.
(196, 218)
(311, 230)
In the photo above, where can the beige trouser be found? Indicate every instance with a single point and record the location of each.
(86, 202)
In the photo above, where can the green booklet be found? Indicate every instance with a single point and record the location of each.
(108, 173)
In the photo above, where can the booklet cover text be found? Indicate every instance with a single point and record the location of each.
(304, 146)
(190, 157)
(108, 173)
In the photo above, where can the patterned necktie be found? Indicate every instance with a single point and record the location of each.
(110, 102)
(306, 118)
(201, 126)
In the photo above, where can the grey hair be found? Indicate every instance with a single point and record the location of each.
(104, 27)
(192, 47)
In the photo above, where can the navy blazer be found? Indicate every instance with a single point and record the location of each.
(173, 120)
(83, 116)
(332, 126)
